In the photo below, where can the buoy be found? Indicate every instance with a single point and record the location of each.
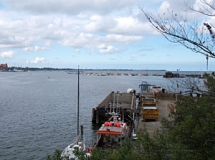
(111, 124)
(117, 124)
(106, 123)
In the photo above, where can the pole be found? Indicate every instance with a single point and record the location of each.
(78, 106)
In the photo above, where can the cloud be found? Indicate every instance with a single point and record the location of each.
(35, 49)
(100, 23)
(88, 40)
(130, 26)
(36, 60)
(79, 31)
(107, 49)
(179, 9)
(7, 54)
(125, 25)
(117, 38)
(68, 7)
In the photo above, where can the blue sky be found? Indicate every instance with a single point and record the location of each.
(94, 34)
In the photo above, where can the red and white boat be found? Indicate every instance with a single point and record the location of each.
(112, 132)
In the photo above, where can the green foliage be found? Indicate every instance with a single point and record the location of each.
(55, 156)
(195, 127)
(211, 84)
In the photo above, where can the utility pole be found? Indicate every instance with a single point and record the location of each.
(213, 39)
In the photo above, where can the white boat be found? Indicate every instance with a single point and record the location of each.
(79, 143)
(155, 89)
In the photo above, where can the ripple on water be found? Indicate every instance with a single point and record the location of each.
(38, 114)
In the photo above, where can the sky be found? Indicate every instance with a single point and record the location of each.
(94, 34)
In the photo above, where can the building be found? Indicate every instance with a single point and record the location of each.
(171, 75)
(3, 66)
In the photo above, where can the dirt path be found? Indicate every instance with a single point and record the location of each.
(152, 126)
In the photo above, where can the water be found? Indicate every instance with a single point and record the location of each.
(38, 109)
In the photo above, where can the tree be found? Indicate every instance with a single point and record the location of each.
(193, 130)
(55, 156)
(191, 34)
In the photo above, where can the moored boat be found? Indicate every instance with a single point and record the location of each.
(122, 103)
(112, 132)
(78, 144)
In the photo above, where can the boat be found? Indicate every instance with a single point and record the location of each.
(78, 145)
(79, 142)
(156, 89)
(112, 132)
(123, 103)
(144, 86)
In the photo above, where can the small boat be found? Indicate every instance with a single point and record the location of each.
(156, 89)
(79, 143)
(112, 132)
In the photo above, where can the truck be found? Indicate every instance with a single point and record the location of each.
(149, 107)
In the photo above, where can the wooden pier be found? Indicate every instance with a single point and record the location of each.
(123, 104)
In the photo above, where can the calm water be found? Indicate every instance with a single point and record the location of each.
(38, 109)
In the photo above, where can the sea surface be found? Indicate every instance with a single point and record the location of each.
(38, 110)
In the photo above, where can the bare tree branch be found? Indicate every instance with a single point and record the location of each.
(204, 7)
(193, 35)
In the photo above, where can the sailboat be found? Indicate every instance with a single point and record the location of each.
(79, 143)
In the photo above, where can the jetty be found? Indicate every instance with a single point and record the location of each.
(123, 104)
(141, 111)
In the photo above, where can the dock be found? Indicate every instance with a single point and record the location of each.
(123, 104)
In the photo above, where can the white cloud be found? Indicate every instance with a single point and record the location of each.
(117, 38)
(68, 7)
(7, 54)
(100, 23)
(36, 60)
(179, 8)
(130, 26)
(35, 49)
(107, 49)
(164, 7)
(80, 31)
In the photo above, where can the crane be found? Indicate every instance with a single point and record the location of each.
(212, 36)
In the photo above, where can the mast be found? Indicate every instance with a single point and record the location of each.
(78, 106)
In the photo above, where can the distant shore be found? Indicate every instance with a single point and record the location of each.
(112, 72)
